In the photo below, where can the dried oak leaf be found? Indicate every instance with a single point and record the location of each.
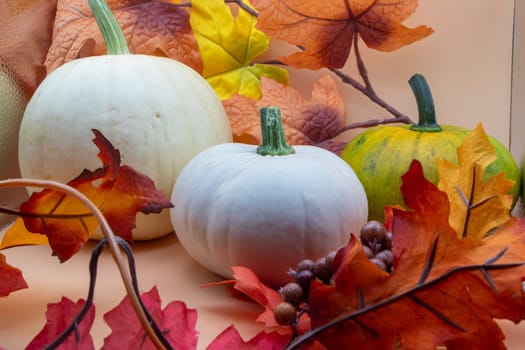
(59, 316)
(11, 278)
(327, 29)
(475, 206)
(443, 291)
(231, 339)
(176, 321)
(305, 122)
(26, 27)
(228, 46)
(151, 27)
(118, 189)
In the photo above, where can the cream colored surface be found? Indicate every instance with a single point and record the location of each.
(468, 63)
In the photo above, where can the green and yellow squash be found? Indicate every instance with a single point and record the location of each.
(382, 154)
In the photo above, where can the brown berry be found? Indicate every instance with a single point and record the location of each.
(321, 270)
(368, 252)
(386, 256)
(372, 230)
(330, 257)
(304, 277)
(284, 313)
(292, 292)
(305, 264)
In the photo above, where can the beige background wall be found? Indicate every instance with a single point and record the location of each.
(467, 62)
(517, 141)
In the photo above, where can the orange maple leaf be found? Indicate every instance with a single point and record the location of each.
(305, 122)
(150, 27)
(118, 190)
(327, 29)
(444, 290)
(26, 28)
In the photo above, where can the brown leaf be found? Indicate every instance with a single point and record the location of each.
(26, 27)
(327, 29)
(305, 122)
(150, 27)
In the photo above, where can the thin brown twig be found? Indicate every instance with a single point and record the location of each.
(108, 234)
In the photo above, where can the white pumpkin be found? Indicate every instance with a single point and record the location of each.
(234, 206)
(158, 112)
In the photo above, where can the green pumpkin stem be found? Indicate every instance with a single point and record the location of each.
(273, 138)
(111, 32)
(425, 105)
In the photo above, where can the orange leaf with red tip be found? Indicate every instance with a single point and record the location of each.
(327, 29)
(119, 190)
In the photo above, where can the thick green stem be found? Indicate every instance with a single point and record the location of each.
(425, 105)
(107, 23)
(273, 138)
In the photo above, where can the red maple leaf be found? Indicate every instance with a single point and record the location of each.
(176, 321)
(59, 316)
(443, 291)
(231, 339)
(11, 278)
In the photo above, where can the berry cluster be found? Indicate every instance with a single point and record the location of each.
(377, 244)
(294, 295)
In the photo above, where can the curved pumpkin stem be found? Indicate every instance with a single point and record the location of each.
(107, 23)
(425, 105)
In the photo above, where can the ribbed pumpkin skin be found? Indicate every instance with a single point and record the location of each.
(382, 154)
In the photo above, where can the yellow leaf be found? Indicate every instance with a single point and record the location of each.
(228, 46)
(17, 234)
(476, 206)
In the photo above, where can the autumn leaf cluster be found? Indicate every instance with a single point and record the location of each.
(223, 43)
(453, 273)
(458, 255)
